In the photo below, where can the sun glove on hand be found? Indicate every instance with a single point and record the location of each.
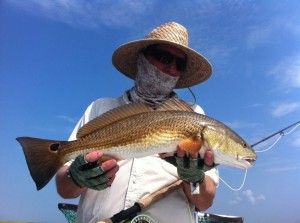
(191, 170)
(90, 175)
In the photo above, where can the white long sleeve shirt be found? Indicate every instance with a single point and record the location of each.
(136, 179)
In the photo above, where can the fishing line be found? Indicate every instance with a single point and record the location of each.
(281, 134)
(276, 141)
(195, 99)
(235, 189)
(267, 149)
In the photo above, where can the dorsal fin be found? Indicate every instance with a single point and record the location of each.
(175, 104)
(112, 116)
(126, 111)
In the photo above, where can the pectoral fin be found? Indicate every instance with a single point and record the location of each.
(192, 144)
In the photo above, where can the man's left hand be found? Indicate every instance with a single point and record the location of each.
(191, 167)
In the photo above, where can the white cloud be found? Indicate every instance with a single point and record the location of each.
(295, 141)
(249, 195)
(259, 35)
(285, 108)
(279, 165)
(256, 105)
(236, 200)
(261, 198)
(239, 125)
(253, 199)
(287, 73)
(294, 135)
(283, 169)
(67, 118)
(87, 14)
(266, 31)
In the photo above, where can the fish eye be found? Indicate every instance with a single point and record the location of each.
(244, 144)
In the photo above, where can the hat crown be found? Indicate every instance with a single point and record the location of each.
(172, 32)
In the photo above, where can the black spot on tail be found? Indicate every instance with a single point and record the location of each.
(54, 147)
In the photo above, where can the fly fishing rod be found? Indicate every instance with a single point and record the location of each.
(143, 203)
(276, 133)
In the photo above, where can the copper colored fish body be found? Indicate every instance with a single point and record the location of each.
(133, 131)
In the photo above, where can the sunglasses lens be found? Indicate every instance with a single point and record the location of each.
(167, 58)
(164, 57)
(180, 64)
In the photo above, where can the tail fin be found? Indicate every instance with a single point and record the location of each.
(42, 159)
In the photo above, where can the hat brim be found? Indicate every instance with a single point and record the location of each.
(198, 69)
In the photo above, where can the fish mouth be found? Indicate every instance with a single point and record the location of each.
(233, 160)
(243, 163)
(247, 162)
(250, 160)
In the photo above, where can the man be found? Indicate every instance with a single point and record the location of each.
(158, 64)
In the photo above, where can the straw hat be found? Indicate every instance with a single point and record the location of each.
(198, 69)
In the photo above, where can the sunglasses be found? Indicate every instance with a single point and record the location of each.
(165, 57)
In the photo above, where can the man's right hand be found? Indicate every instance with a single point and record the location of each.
(86, 171)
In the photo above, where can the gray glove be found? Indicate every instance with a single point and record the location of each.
(191, 170)
(90, 175)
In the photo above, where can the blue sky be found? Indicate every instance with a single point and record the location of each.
(55, 59)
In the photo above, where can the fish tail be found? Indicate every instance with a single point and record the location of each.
(42, 159)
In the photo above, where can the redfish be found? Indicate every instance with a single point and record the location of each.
(135, 130)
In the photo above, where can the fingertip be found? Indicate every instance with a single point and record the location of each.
(99, 154)
(194, 155)
(93, 156)
(180, 152)
(209, 154)
(209, 158)
(109, 164)
(111, 180)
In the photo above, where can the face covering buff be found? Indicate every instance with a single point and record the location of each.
(152, 86)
